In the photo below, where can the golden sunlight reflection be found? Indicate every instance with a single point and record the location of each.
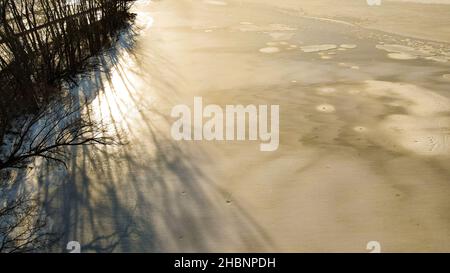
(118, 103)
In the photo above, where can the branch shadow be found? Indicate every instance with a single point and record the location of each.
(148, 194)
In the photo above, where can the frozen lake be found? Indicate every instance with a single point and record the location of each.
(364, 137)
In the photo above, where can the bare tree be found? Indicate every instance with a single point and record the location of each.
(23, 227)
(47, 134)
(43, 43)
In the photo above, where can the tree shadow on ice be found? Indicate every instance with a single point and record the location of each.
(149, 194)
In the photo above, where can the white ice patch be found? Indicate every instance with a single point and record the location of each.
(401, 56)
(269, 50)
(215, 2)
(400, 52)
(318, 48)
(348, 46)
(404, 49)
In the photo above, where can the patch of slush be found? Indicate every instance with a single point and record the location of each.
(415, 100)
(401, 56)
(400, 52)
(326, 108)
(425, 128)
(418, 134)
(348, 46)
(318, 48)
(215, 2)
(393, 48)
(279, 45)
(269, 50)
